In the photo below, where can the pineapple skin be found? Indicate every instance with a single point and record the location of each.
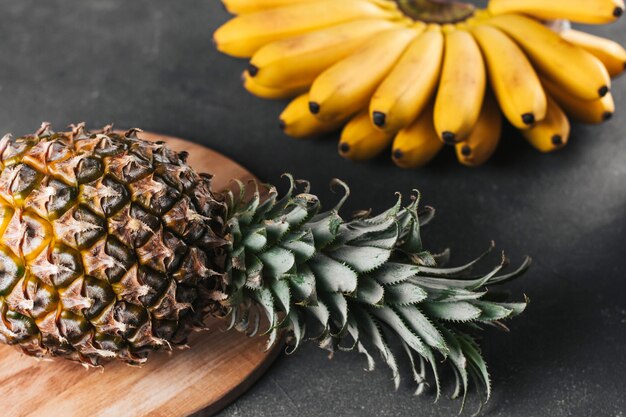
(110, 246)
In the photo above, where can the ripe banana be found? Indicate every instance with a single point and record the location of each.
(269, 93)
(249, 6)
(551, 133)
(582, 11)
(299, 60)
(512, 77)
(360, 140)
(243, 35)
(417, 144)
(484, 139)
(411, 84)
(461, 89)
(573, 68)
(610, 53)
(343, 89)
(589, 112)
(298, 122)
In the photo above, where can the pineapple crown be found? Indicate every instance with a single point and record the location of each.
(359, 284)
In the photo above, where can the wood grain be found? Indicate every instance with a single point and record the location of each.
(218, 367)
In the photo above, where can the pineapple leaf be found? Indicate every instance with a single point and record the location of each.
(453, 311)
(393, 273)
(361, 258)
(277, 261)
(369, 291)
(333, 276)
(421, 326)
(404, 294)
(303, 285)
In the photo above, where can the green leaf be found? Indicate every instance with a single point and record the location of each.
(458, 360)
(404, 294)
(369, 291)
(301, 245)
(320, 312)
(276, 230)
(277, 261)
(373, 335)
(391, 318)
(324, 227)
(255, 240)
(476, 361)
(303, 285)
(458, 311)
(516, 308)
(385, 240)
(420, 325)
(412, 239)
(393, 273)
(449, 294)
(295, 214)
(296, 329)
(280, 289)
(265, 300)
(333, 276)
(361, 258)
(338, 307)
(492, 311)
(361, 229)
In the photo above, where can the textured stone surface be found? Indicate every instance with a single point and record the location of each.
(151, 64)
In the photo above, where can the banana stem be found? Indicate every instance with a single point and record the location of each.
(436, 11)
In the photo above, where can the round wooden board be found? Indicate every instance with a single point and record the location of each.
(217, 368)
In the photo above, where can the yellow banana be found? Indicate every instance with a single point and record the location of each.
(249, 6)
(360, 140)
(590, 112)
(610, 53)
(269, 93)
(409, 87)
(570, 66)
(461, 89)
(512, 77)
(243, 35)
(551, 133)
(343, 89)
(299, 60)
(298, 122)
(582, 11)
(417, 144)
(484, 139)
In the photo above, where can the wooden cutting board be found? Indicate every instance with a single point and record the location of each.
(217, 368)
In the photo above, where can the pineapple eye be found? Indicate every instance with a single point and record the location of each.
(11, 271)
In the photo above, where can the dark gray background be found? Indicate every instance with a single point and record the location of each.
(151, 64)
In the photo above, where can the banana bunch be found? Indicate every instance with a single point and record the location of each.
(412, 76)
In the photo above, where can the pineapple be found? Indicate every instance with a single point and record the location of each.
(112, 247)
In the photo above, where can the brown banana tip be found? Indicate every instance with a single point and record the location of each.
(607, 116)
(344, 148)
(557, 140)
(449, 138)
(528, 118)
(379, 118)
(253, 70)
(398, 154)
(603, 91)
(466, 151)
(314, 107)
(282, 125)
(618, 12)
